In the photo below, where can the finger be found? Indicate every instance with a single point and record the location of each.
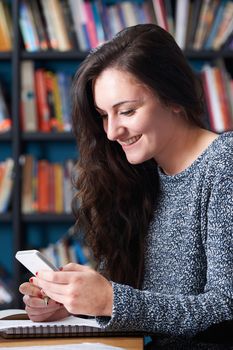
(54, 316)
(60, 277)
(75, 267)
(60, 299)
(30, 289)
(42, 313)
(34, 281)
(48, 287)
(39, 303)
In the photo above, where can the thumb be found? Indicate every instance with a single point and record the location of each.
(75, 267)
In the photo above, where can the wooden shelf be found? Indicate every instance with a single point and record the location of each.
(79, 55)
(5, 217)
(6, 136)
(42, 136)
(208, 54)
(5, 55)
(53, 55)
(48, 218)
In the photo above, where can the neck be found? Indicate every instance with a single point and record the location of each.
(183, 148)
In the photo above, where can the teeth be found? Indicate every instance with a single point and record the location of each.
(131, 140)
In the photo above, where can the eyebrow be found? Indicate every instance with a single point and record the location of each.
(118, 104)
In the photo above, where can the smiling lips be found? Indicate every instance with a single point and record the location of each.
(130, 141)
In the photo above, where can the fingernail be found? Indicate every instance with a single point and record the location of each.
(31, 280)
(60, 268)
(36, 273)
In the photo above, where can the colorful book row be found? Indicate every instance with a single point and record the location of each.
(77, 24)
(6, 183)
(218, 88)
(45, 99)
(197, 25)
(46, 186)
(82, 24)
(66, 250)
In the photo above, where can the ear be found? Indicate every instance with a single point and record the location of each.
(176, 109)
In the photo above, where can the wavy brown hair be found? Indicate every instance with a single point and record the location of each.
(115, 200)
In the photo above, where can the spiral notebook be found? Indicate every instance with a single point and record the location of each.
(68, 327)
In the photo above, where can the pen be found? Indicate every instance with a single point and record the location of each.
(46, 300)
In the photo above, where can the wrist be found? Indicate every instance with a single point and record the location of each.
(107, 310)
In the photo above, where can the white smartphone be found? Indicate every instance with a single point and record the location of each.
(34, 261)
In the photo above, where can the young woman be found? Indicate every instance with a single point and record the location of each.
(155, 196)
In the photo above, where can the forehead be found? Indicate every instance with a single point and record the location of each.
(113, 85)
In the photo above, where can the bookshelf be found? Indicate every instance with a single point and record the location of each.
(17, 224)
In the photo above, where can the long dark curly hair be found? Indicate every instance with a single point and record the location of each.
(115, 200)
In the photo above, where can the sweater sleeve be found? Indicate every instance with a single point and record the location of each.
(147, 311)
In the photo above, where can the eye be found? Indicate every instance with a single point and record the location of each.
(128, 112)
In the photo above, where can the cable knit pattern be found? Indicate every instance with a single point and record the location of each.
(188, 281)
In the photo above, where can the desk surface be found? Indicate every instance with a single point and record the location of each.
(126, 343)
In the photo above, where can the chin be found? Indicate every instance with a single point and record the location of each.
(137, 160)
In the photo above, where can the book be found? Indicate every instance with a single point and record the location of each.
(27, 179)
(205, 23)
(43, 186)
(196, 8)
(27, 27)
(28, 97)
(161, 16)
(5, 120)
(70, 326)
(69, 23)
(60, 26)
(182, 14)
(90, 23)
(79, 20)
(39, 24)
(6, 185)
(215, 25)
(225, 28)
(5, 28)
(47, 10)
(170, 17)
(41, 99)
(212, 99)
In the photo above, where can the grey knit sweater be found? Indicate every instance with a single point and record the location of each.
(188, 281)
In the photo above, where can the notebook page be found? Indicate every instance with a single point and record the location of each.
(71, 320)
(11, 312)
(83, 346)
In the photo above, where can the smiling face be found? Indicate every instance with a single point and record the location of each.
(132, 115)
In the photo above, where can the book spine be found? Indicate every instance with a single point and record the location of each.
(28, 97)
(43, 186)
(6, 185)
(160, 13)
(5, 121)
(182, 10)
(41, 98)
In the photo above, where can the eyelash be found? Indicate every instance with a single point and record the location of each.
(128, 112)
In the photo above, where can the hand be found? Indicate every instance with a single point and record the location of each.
(79, 288)
(36, 308)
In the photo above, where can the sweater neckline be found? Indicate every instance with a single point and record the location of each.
(196, 162)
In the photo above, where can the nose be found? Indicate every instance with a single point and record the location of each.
(113, 128)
